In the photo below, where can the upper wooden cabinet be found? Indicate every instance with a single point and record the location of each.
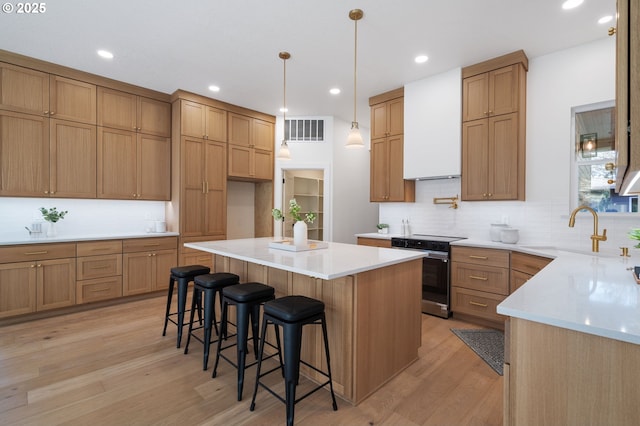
(387, 150)
(34, 92)
(493, 129)
(203, 121)
(251, 143)
(126, 111)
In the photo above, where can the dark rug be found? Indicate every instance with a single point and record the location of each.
(488, 344)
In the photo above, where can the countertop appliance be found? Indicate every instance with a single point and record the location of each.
(436, 298)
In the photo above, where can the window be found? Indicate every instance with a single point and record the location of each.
(594, 160)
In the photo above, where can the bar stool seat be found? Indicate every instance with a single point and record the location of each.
(292, 313)
(210, 285)
(247, 298)
(183, 275)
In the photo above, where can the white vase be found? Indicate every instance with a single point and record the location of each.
(52, 230)
(277, 230)
(300, 233)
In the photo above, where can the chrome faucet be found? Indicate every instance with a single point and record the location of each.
(595, 238)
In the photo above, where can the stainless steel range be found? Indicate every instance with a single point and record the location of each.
(436, 299)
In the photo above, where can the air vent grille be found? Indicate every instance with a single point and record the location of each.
(304, 130)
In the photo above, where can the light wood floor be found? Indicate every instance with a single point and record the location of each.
(111, 366)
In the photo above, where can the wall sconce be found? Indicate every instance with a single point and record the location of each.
(589, 145)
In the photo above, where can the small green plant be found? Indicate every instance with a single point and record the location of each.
(52, 214)
(382, 225)
(294, 211)
(635, 235)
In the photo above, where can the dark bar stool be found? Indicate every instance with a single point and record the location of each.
(292, 313)
(247, 298)
(182, 274)
(209, 285)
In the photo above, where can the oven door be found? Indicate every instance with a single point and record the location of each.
(435, 284)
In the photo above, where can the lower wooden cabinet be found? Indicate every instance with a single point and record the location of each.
(99, 271)
(17, 289)
(147, 264)
(374, 242)
(55, 283)
(525, 266)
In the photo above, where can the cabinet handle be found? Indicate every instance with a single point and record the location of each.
(612, 31)
(100, 290)
(100, 267)
(39, 265)
(203, 188)
(99, 249)
(46, 192)
(46, 113)
(206, 184)
(148, 254)
(473, 256)
(33, 266)
(52, 113)
(490, 195)
(475, 277)
(482, 305)
(29, 253)
(490, 112)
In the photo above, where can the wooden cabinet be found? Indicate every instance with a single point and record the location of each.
(36, 277)
(251, 143)
(147, 264)
(203, 121)
(479, 282)
(493, 129)
(387, 150)
(525, 266)
(126, 111)
(374, 242)
(133, 165)
(98, 271)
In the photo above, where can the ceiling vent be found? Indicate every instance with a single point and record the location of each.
(304, 130)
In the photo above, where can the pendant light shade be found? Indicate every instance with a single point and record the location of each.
(283, 152)
(354, 140)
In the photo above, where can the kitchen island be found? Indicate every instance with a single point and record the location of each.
(372, 302)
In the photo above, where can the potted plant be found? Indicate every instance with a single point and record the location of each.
(635, 235)
(299, 227)
(383, 228)
(52, 215)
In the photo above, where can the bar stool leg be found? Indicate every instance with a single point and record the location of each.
(326, 351)
(209, 318)
(193, 306)
(223, 331)
(243, 313)
(169, 297)
(182, 301)
(292, 346)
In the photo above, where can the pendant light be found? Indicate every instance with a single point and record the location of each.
(283, 152)
(355, 138)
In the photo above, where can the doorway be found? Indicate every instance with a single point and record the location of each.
(307, 187)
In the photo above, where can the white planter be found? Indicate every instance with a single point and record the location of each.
(383, 231)
(277, 229)
(52, 230)
(300, 233)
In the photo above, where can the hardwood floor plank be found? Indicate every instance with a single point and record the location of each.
(112, 366)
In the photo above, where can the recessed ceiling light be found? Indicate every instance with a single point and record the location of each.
(105, 54)
(605, 19)
(570, 4)
(214, 88)
(421, 59)
(334, 91)
(284, 109)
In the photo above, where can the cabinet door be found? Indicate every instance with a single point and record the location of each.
(72, 100)
(263, 135)
(395, 116)
(153, 117)
(503, 90)
(24, 90)
(216, 188)
(475, 157)
(475, 97)
(24, 155)
(153, 167)
(17, 288)
(116, 109)
(263, 164)
(137, 273)
(116, 164)
(503, 157)
(73, 160)
(193, 187)
(192, 119)
(378, 121)
(56, 283)
(379, 170)
(396, 160)
(239, 129)
(163, 261)
(240, 161)
(216, 124)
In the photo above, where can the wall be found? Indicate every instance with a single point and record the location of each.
(240, 210)
(556, 82)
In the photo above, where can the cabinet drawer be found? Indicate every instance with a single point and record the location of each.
(374, 242)
(95, 248)
(481, 256)
(27, 252)
(99, 266)
(528, 263)
(518, 279)
(476, 303)
(98, 289)
(480, 277)
(149, 244)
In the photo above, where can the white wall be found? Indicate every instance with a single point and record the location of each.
(240, 210)
(556, 82)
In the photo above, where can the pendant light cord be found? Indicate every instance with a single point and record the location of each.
(355, 68)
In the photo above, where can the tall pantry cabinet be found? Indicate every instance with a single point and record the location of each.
(493, 129)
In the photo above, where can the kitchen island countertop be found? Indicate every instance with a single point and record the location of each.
(335, 261)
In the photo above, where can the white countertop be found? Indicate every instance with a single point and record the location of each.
(588, 292)
(15, 238)
(338, 260)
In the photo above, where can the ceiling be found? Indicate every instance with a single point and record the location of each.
(169, 45)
